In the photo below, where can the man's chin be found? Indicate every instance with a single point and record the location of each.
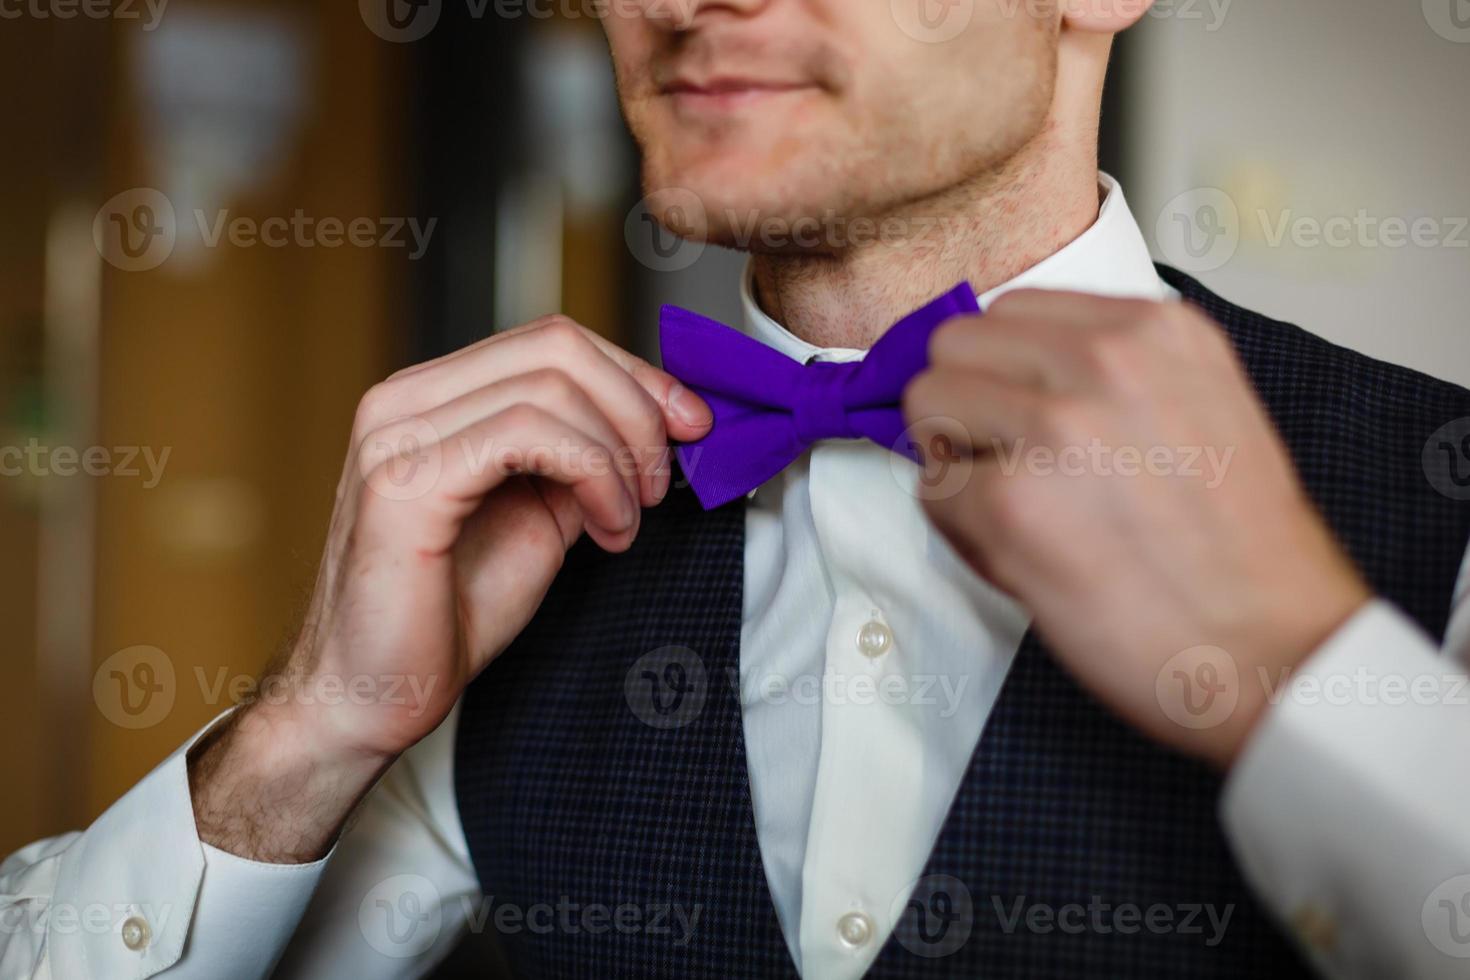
(734, 211)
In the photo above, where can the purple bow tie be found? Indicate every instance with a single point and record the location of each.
(769, 409)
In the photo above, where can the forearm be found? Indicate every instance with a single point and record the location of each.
(266, 788)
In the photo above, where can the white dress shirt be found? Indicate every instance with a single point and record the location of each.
(870, 660)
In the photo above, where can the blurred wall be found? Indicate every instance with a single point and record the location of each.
(178, 305)
(1311, 160)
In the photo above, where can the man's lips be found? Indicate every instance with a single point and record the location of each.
(730, 91)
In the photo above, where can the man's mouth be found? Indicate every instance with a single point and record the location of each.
(724, 93)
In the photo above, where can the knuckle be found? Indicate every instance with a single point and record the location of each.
(565, 333)
(1016, 299)
(949, 337)
(1114, 356)
(1160, 325)
(554, 384)
(376, 406)
(520, 417)
(1065, 420)
(1013, 509)
(922, 396)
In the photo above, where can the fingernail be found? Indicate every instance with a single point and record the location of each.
(690, 408)
(662, 475)
(629, 511)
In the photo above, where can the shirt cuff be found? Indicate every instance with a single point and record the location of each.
(139, 893)
(1343, 810)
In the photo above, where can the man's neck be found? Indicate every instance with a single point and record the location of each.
(987, 231)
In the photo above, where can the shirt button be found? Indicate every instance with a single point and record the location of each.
(874, 638)
(855, 929)
(135, 933)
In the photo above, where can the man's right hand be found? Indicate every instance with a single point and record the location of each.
(469, 478)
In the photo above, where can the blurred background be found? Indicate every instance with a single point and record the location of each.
(224, 219)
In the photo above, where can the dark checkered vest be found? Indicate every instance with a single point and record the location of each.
(572, 800)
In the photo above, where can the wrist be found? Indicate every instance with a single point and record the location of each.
(1298, 636)
(264, 787)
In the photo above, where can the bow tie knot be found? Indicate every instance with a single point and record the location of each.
(818, 410)
(769, 409)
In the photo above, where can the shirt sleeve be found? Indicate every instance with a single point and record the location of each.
(1347, 810)
(138, 894)
(401, 889)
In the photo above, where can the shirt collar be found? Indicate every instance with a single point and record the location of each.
(1110, 258)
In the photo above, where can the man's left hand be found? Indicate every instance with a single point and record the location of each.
(1130, 490)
